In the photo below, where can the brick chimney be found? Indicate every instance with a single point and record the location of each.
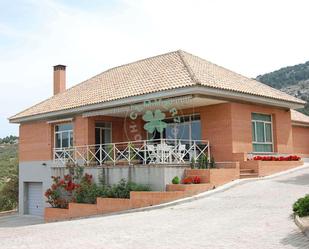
(59, 79)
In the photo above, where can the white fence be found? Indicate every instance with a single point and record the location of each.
(160, 151)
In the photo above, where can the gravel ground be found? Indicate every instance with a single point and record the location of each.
(253, 215)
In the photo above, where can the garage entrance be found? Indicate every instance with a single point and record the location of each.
(35, 199)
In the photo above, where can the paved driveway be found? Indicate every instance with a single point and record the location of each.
(253, 215)
(19, 221)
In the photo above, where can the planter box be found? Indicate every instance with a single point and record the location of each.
(271, 167)
(189, 189)
(109, 205)
(202, 173)
(265, 168)
(215, 177)
(221, 176)
(145, 199)
(82, 210)
(56, 214)
(75, 210)
(303, 224)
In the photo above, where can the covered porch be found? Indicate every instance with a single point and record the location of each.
(162, 131)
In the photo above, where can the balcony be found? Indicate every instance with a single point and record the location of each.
(158, 151)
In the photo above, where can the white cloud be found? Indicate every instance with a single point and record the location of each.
(249, 37)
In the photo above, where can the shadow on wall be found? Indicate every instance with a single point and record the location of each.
(298, 180)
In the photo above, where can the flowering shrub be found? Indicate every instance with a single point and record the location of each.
(84, 190)
(187, 180)
(280, 158)
(88, 190)
(61, 192)
(196, 180)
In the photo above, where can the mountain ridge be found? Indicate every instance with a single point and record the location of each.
(293, 80)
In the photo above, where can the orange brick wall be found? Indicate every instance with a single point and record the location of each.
(301, 139)
(242, 133)
(122, 129)
(228, 128)
(216, 127)
(82, 131)
(35, 141)
(265, 168)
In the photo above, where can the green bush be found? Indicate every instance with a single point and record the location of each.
(212, 163)
(8, 175)
(122, 189)
(176, 180)
(203, 162)
(88, 193)
(9, 194)
(84, 190)
(301, 206)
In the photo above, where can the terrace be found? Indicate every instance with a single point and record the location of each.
(154, 151)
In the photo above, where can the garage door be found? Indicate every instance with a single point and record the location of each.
(35, 198)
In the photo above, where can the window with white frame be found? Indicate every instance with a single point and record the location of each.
(64, 135)
(262, 137)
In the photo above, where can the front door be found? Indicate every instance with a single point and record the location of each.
(103, 140)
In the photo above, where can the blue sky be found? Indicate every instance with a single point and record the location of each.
(249, 37)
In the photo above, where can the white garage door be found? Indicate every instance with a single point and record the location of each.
(35, 198)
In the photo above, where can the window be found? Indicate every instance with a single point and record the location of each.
(186, 128)
(262, 132)
(64, 135)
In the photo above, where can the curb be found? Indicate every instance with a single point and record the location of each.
(298, 221)
(7, 213)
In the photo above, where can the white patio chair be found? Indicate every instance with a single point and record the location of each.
(164, 152)
(180, 153)
(152, 153)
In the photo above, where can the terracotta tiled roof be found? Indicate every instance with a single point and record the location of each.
(168, 71)
(299, 117)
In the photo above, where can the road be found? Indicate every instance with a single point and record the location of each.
(252, 215)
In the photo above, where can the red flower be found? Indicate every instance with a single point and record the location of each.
(281, 158)
(48, 192)
(187, 180)
(196, 180)
(68, 177)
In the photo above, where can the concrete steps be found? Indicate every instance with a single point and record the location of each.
(247, 173)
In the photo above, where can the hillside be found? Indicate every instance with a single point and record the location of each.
(293, 80)
(8, 161)
(8, 174)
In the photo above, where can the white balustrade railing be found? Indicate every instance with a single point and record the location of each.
(158, 151)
